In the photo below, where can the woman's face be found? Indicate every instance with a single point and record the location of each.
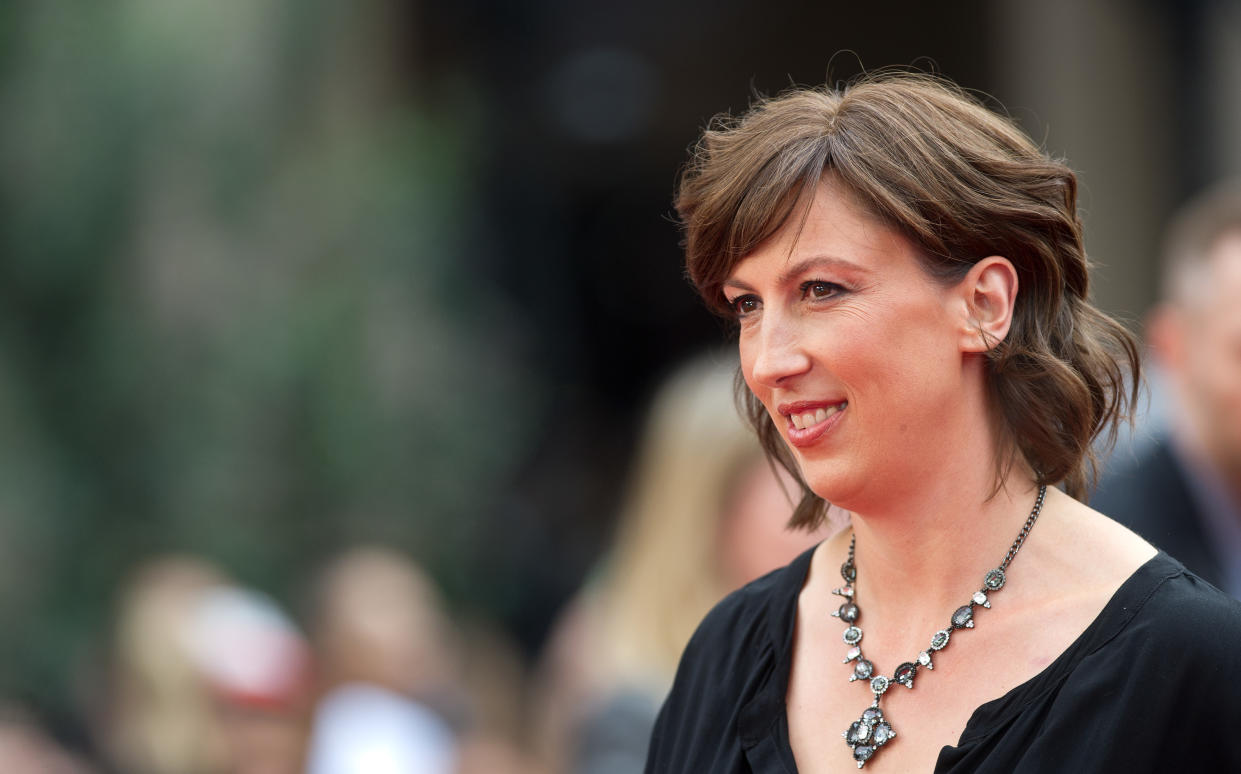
(853, 349)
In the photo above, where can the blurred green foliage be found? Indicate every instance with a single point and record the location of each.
(237, 313)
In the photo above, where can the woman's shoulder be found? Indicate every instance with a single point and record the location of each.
(1166, 618)
(1170, 639)
(1169, 672)
(1166, 601)
(1176, 608)
(1157, 668)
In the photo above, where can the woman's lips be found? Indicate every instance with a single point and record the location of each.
(808, 422)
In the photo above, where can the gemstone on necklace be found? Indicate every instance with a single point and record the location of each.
(862, 670)
(883, 732)
(905, 674)
(980, 598)
(963, 618)
(851, 736)
(848, 571)
(994, 580)
(939, 640)
(853, 653)
(852, 635)
(924, 658)
(862, 753)
(872, 715)
(843, 591)
(848, 612)
(879, 684)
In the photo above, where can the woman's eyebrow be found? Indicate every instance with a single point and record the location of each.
(810, 263)
(802, 266)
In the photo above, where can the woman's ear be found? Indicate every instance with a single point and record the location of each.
(990, 293)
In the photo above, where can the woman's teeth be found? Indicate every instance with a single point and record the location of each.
(810, 418)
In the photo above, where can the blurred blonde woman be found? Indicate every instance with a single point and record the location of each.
(160, 718)
(705, 513)
(206, 677)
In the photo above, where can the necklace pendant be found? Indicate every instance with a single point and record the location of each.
(868, 734)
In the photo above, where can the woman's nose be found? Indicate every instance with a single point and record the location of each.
(779, 354)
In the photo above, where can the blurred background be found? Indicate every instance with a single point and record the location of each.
(281, 277)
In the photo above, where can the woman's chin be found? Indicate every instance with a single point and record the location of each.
(834, 486)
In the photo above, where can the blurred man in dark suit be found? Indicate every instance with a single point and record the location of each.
(1183, 493)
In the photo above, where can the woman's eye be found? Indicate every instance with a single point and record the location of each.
(743, 305)
(820, 289)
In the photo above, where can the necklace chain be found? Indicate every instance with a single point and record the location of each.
(872, 731)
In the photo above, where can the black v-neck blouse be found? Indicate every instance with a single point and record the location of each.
(1152, 685)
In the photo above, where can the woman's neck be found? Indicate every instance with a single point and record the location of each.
(918, 560)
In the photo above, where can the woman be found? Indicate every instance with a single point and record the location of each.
(907, 273)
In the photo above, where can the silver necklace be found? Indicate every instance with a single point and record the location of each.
(872, 731)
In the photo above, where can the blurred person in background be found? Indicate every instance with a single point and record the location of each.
(206, 677)
(1183, 492)
(394, 697)
(705, 513)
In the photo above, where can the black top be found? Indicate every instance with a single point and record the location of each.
(1152, 685)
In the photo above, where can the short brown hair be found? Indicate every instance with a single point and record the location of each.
(961, 183)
